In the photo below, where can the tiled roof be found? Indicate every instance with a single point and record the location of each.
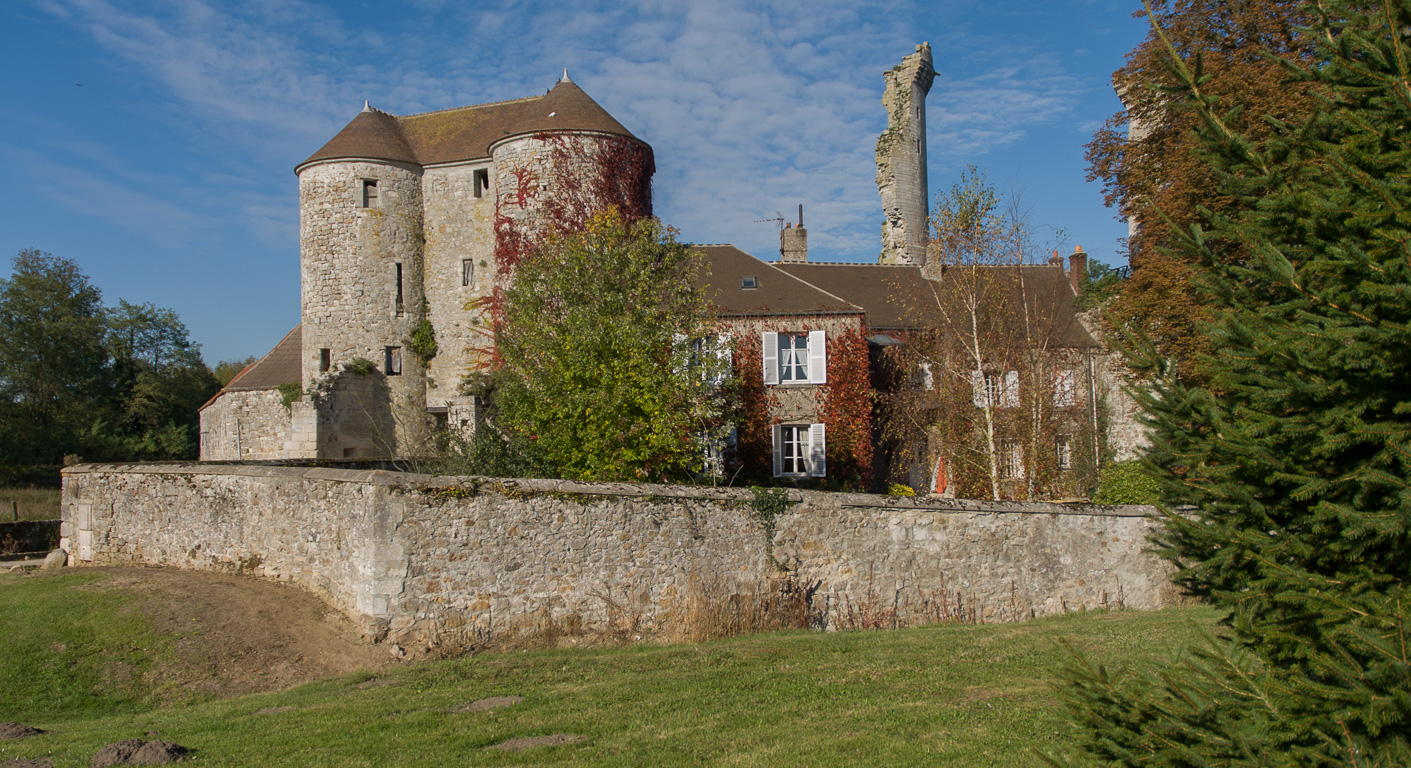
(466, 133)
(282, 365)
(775, 292)
(901, 297)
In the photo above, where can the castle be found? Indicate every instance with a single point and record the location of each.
(403, 224)
(408, 225)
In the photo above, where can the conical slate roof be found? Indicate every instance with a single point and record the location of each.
(466, 133)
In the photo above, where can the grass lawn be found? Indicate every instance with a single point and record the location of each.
(32, 503)
(945, 695)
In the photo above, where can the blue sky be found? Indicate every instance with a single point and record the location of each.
(168, 173)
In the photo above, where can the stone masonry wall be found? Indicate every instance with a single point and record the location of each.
(459, 227)
(901, 160)
(246, 425)
(420, 560)
(348, 256)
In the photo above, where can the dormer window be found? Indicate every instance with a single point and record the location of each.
(369, 193)
(748, 283)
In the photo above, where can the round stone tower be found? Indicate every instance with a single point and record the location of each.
(361, 236)
(410, 224)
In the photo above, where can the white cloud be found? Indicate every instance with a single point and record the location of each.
(751, 108)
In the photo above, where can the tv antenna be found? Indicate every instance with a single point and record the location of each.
(778, 219)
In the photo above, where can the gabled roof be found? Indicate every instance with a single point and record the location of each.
(903, 297)
(281, 365)
(776, 292)
(466, 133)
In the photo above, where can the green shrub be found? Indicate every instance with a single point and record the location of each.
(422, 342)
(290, 392)
(1126, 482)
(897, 489)
(360, 366)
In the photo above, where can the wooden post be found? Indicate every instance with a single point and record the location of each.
(15, 510)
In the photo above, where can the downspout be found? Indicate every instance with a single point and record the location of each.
(1092, 401)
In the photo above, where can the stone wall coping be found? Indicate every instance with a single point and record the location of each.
(806, 499)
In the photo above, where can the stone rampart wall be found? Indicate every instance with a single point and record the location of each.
(419, 559)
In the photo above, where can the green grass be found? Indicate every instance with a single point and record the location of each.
(71, 650)
(33, 503)
(946, 695)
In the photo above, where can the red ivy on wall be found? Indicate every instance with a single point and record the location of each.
(844, 404)
(847, 410)
(616, 172)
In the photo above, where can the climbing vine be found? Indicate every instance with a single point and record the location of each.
(586, 175)
(844, 404)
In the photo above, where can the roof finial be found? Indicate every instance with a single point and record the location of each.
(366, 106)
(565, 76)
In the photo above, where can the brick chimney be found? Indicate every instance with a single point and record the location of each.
(1077, 268)
(793, 242)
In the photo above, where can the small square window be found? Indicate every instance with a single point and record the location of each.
(481, 183)
(748, 283)
(369, 193)
(325, 360)
(467, 272)
(393, 365)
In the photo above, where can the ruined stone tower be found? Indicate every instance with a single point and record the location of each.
(901, 160)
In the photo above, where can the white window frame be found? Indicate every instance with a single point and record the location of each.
(1063, 452)
(1065, 389)
(805, 364)
(1011, 459)
(800, 450)
(999, 390)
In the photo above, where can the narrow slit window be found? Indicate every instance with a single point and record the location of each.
(401, 305)
(325, 360)
(394, 361)
(481, 182)
(467, 272)
(369, 193)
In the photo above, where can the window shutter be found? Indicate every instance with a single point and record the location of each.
(1011, 389)
(1018, 459)
(1063, 394)
(817, 451)
(977, 385)
(680, 355)
(817, 357)
(726, 355)
(778, 450)
(770, 342)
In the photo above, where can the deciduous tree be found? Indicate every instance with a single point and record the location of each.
(1149, 161)
(609, 354)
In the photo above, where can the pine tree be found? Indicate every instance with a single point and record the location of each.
(1292, 465)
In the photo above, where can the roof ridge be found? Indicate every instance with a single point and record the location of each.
(468, 106)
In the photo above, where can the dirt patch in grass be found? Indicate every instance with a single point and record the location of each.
(535, 742)
(138, 752)
(235, 635)
(17, 731)
(28, 762)
(494, 702)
